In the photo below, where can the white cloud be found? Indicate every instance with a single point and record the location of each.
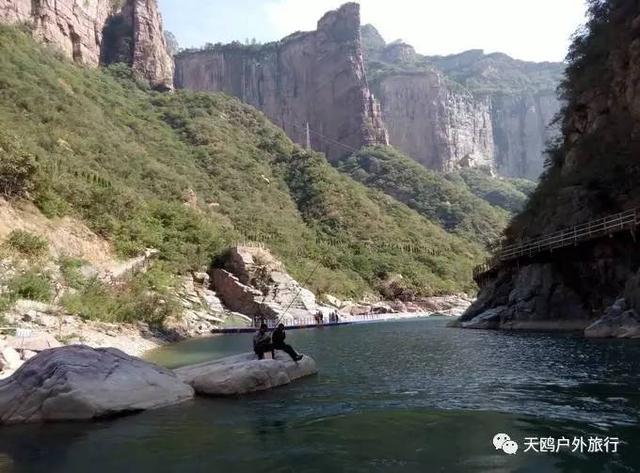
(533, 30)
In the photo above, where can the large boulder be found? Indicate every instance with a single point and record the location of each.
(251, 281)
(81, 383)
(9, 358)
(489, 319)
(244, 374)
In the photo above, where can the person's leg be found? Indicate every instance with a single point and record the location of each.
(288, 349)
(259, 353)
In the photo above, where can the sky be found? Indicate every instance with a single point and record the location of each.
(538, 30)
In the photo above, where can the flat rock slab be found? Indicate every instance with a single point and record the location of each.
(82, 383)
(242, 374)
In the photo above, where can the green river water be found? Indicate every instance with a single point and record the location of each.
(407, 396)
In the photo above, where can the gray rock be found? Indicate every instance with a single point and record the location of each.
(80, 383)
(27, 307)
(489, 319)
(201, 278)
(244, 374)
(9, 359)
(615, 324)
(38, 342)
(28, 354)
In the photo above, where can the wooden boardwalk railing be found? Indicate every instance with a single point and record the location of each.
(571, 236)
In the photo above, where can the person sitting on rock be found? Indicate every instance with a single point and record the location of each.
(262, 342)
(278, 343)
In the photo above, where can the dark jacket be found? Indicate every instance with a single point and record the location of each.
(261, 340)
(278, 337)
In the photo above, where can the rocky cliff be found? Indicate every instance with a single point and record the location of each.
(594, 173)
(522, 127)
(439, 125)
(464, 110)
(316, 78)
(99, 31)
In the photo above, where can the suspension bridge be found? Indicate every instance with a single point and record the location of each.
(607, 226)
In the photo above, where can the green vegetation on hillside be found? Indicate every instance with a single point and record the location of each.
(190, 173)
(26, 244)
(445, 200)
(33, 284)
(508, 194)
(145, 298)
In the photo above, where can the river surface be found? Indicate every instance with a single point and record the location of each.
(407, 396)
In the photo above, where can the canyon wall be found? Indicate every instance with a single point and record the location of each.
(445, 126)
(594, 173)
(85, 30)
(468, 109)
(522, 127)
(440, 127)
(316, 78)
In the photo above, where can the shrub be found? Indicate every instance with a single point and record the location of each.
(146, 298)
(27, 244)
(31, 285)
(70, 269)
(17, 169)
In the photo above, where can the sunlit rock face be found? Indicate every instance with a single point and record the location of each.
(464, 110)
(315, 77)
(87, 30)
(438, 126)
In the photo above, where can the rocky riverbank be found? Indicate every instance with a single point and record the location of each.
(33, 327)
(81, 383)
(246, 285)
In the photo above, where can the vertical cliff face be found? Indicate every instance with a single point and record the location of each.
(316, 78)
(437, 125)
(134, 35)
(73, 26)
(522, 126)
(468, 109)
(85, 30)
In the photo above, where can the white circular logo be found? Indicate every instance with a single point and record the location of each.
(499, 440)
(503, 442)
(510, 447)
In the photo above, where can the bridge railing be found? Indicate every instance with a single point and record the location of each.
(593, 229)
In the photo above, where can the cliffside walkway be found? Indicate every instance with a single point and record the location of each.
(570, 236)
